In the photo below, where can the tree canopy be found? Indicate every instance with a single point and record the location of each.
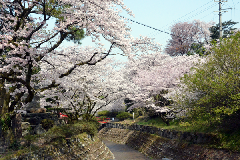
(213, 88)
(185, 36)
(227, 28)
(30, 53)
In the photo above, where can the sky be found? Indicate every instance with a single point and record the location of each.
(162, 14)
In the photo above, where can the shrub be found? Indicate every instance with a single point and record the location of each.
(47, 123)
(30, 138)
(5, 122)
(102, 117)
(15, 145)
(124, 115)
(136, 113)
(69, 130)
(113, 113)
(214, 87)
(103, 113)
(139, 111)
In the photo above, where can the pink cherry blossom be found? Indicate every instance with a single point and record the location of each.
(184, 34)
(25, 45)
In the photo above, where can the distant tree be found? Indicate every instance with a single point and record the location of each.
(226, 27)
(184, 35)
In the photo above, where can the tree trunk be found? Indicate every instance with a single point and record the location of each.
(4, 99)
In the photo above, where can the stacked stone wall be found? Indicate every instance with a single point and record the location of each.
(159, 148)
(74, 148)
(195, 138)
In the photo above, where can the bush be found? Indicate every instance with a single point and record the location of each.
(15, 145)
(103, 113)
(5, 122)
(69, 130)
(139, 111)
(136, 113)
(124, 115)
(47, 123)
(113, 113)
(214, 86)
(102, 117)
(30, 138)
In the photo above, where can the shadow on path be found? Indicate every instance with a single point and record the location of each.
(123, 152)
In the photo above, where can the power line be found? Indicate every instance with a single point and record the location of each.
(140, 23)
(144, 24)
(195, 14)
(195, 10)
(213, 5)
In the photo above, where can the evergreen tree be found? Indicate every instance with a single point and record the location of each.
(226, 27)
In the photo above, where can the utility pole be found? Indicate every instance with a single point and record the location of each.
(220, 16)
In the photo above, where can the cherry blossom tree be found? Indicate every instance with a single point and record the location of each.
(27, 44)
(98, 85)
(184, 34)
(158, 75)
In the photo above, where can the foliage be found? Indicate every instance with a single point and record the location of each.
(5, 122)
(113, 113)
(198, 48)
(159, 100)
(15, 145)
(124, 115)
(184, 34)
(47, 123)
(103, 113)
(30, 138)
(230, 123)
(213, 88)
(226, 27)
(228, 140)
(138, 112)
(102, 117)
(76, 35)
(156, 121)
(69, 130)
(128, 103)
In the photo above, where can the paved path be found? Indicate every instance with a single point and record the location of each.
(123, 152)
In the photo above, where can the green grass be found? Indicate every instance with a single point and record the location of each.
(230, 141)
(157, 122)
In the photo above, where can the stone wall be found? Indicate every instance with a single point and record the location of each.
(195, 138)
(80, 147)
(158, 147)
(32, 120)
(29, 123)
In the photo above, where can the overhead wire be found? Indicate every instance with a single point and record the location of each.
(156, 28)
(140, 23)
(182, 16)
(192, 16)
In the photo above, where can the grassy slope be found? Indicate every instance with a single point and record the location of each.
(230, 141)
